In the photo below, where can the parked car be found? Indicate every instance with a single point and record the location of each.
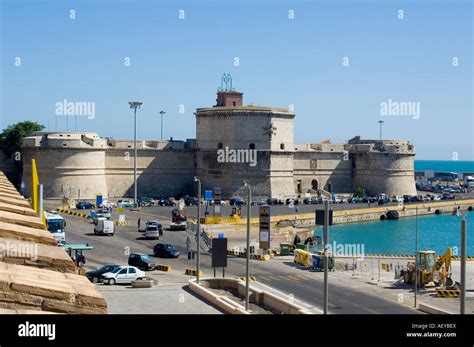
(273, 201)
(107, 204)
(123, 274)
(258, 202)
(141, 261)
(95, 275)
(237, 202)
(292, 200)
(125, 203)
(191, 201)
(143, 201)
(311, 201)
(84, 205)
(165, 250)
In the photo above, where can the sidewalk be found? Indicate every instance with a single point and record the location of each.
(163, 298)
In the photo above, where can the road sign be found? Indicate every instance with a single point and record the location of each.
(208, 195)
(219, 252)
(122, 218)
(320, 217)
(264, 227)
(220, 236)
(119, 210)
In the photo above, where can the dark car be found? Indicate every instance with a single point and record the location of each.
(165, 250)
(84, 205)
(94, 275)
(141, 261)
(273, 201)
(147, 202)
(236, 202)
(191, 201)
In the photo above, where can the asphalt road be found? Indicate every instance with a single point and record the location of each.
(279, 274)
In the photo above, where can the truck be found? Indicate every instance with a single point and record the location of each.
(469, 181)
(104, 227)
(178, 220)
(56, 226)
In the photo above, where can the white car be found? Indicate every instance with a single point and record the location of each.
(108, 204)
(125, 203)
(152, 231)
(123, 274)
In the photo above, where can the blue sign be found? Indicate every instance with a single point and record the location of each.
(208, 195)
(220, 236)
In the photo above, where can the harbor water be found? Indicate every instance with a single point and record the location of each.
(435, 232)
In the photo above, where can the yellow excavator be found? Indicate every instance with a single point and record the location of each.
(430, 268)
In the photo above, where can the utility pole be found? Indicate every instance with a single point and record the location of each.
(463, 266)
(162, 113)
(135, 105)
(416, 256)
(247, 260)
(326, 258)
(198, 181)
(381, 122)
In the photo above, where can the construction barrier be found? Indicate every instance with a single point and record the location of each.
(73, 213)
(122, 223)
(165, 268)
(251, 278)
(447, 293)
(193, 272)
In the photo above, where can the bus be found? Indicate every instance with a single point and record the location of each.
(56, 226)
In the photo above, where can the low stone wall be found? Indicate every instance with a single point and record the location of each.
(262, 298)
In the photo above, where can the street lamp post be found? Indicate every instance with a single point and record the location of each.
(198, 233)
(161, 114)
(135, 105)
(247, 260)
(381, 122)
(462, 301)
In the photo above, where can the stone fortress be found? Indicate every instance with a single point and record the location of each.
(83, 164)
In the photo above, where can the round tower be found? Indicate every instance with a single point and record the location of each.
(383, 166)
(68, 163)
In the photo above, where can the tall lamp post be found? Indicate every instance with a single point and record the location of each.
(247, 260)
(161, 114)
(462, 308)
(135, 105)
(198, 233)
(381, 123)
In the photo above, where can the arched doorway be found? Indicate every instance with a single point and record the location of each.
(314, 184)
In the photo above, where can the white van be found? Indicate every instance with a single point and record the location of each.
(104, 227)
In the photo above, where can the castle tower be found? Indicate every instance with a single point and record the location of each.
(229, 127)
(383, 166)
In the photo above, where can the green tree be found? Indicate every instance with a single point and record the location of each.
(359, 192)
(12, 137)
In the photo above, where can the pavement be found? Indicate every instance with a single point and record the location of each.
(349, 294)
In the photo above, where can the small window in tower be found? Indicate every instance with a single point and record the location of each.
(220, 145)
(282, 146)
(233, 103)
(252, 146)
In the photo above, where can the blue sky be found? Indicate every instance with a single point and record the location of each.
(282, 61)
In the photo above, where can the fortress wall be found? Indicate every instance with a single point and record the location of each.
(392, 174)
(65, 170)
(330, 170)
(281, 175)
(160, 172)
(230, 176)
